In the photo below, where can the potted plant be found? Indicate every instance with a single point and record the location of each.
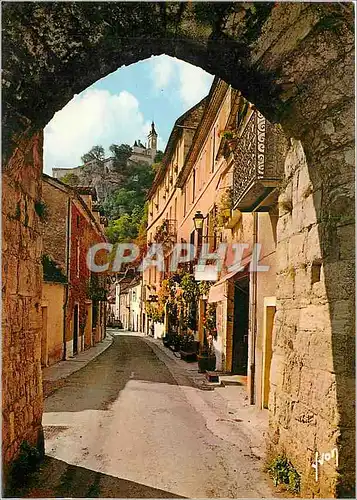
(188, 347)
(230, 136)
(206, 357)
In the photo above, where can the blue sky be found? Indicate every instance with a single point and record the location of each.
(120, 107)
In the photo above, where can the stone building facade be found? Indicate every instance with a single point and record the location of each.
(244, 299)
(289, 355)
(164, 200)
(71, 226)
(295, 62)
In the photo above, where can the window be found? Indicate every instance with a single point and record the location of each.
(78, 220)
(208, 157)
(242, 111)
(213, 148)
(192, 242)
(212, 235)
(77, 257)
(193, 185)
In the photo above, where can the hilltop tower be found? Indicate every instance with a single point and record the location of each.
(152, 141)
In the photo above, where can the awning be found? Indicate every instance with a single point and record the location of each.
(218, 291)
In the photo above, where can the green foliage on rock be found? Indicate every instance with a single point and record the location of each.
(121, 155)
(158, 157)
(124, 207)
(70, 179)
(126, 227)
(121, 202)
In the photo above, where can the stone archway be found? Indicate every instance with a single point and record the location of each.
(295, 62)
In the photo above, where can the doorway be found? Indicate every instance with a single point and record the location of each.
(269, 314)
(75, 329)
(240, 327)
(44, 338)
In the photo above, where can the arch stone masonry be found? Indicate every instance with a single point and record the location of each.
(295, 62)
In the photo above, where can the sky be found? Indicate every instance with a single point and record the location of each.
(120, 108)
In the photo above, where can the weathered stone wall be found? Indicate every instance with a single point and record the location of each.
(54, 226)
(294, 61)
(53, 295)
(21, 294)
(312, 376)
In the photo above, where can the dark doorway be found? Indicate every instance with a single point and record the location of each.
(75, 329)
(240, 327)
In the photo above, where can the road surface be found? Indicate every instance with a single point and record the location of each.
(123, 427)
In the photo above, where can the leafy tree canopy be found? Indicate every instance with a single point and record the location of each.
(125, 207)
(126, 227)
(96, 153)
(139, 177)
(121, 202)
(158, 157)
(121, 155)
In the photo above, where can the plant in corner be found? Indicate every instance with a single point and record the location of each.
(284, 473)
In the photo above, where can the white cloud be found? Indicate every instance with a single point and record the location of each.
(95, 117)
(194, 83)
(163, 68)
(189, 82)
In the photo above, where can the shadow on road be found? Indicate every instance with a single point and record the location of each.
(57, 479)
(98, 384)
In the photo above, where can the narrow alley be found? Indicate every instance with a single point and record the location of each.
(127, 425)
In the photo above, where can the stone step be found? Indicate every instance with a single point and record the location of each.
(233, 379)
(212, 377)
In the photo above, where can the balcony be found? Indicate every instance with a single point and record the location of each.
(259, 155)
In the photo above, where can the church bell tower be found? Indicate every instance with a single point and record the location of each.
(152, 141)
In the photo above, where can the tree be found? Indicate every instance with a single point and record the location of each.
(121, 202)
(121, 155)
(96, 153)
(156, 167)
(70, 179)
(139, 177)
(126, 227)
(158, 157)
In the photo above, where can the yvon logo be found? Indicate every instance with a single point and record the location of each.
(325, 457)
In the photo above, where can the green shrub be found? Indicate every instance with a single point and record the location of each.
(41, 209)
(26, 463)
(283, 472)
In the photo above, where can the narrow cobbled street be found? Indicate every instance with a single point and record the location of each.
(127, 425)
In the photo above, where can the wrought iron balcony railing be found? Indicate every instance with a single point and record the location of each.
(259, 155)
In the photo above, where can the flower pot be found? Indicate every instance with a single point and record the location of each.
(166, 341)
(206, 363)
(188, 356)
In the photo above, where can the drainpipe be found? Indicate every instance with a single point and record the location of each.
(68, 250)
(253, 315)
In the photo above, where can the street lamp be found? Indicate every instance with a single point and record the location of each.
(198, 220)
